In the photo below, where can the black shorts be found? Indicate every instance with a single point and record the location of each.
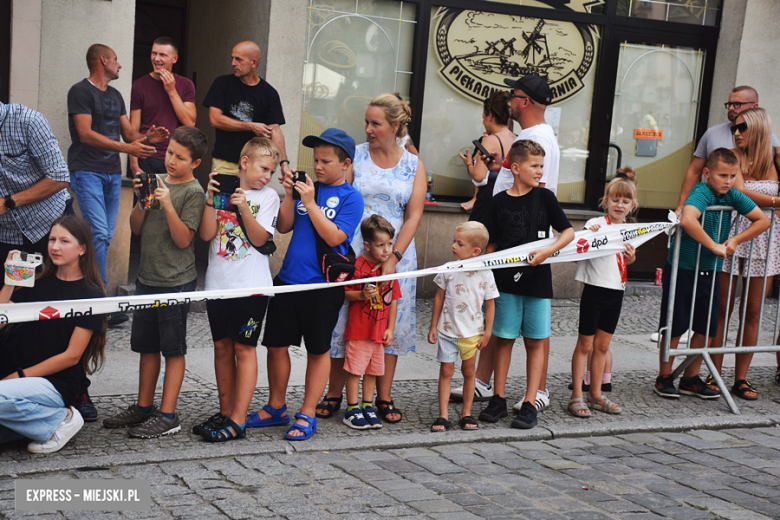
(311, 315)
(239, 319)
(683, 298)
(599, 309)
(163, 328)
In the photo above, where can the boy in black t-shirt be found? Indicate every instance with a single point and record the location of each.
(519, 215)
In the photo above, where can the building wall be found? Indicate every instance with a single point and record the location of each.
(214, 28)
(25, 52)
(759, 54)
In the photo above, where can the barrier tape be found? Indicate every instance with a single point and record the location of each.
(609, 240)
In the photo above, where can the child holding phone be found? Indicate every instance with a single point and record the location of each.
(370, 325)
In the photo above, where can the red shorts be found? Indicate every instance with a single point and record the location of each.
(365, 357)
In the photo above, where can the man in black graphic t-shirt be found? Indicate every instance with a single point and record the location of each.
(241, 106)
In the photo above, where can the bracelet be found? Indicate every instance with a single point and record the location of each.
(773, 202)
(20, 373)
(283, 161)
(398, 255)
(210, 205)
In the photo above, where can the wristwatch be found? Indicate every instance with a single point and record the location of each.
(398, 255)
(10, 203)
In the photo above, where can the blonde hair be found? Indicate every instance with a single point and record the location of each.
(623, 185)
(396, 111)
(758, 155)
(258, 147)
(475, 233)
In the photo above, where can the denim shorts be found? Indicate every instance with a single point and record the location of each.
(518, 315)
(161, 329)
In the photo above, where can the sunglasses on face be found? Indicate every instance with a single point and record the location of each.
(518, 96)
(742, 127)
(737, 105)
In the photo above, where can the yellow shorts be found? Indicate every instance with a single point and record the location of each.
(449, 348)
(226, 167)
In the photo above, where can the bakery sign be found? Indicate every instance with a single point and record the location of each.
(478, 50)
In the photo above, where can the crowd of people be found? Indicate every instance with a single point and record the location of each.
(357, 215)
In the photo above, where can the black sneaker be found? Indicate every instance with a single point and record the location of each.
(496, 409)
(117, 318)
(214, 422)
(664, 386)
(695, 386)
(526, 418)
(86, 408)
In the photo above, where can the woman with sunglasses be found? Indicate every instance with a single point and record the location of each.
(758, 162)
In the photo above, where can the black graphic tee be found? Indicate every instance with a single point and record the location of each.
(23, 345)
(508, 220)
(256, 104)
(106, 108)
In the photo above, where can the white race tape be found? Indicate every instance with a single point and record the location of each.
(609, 240)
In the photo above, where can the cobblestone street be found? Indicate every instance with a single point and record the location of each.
(685, 459)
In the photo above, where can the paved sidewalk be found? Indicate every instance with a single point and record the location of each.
(731, 474)
(414, 392)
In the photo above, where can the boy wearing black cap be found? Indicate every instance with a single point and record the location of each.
(334, 215)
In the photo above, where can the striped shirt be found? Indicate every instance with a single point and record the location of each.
(700, 197)
(29, 153)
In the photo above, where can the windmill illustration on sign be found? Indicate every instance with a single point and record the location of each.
(534, 58)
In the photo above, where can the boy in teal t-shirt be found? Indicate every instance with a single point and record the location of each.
(719, 174)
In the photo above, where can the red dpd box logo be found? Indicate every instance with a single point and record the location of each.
(49, 313)
(582, 246)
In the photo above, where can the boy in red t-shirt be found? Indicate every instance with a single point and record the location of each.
(371, 323)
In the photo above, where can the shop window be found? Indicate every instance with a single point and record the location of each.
(697, 12)
(470, 53)
(654, 117)
(356, 50)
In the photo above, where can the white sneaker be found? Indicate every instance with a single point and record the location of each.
(482, 391)
(683, 338)
(67, 429)
(542, 402)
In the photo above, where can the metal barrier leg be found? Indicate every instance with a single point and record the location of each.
(719, 381)
(687, 361)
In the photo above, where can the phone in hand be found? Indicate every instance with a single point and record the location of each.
(146, 192)
(482, 150)
(227, 187)
(298, 176)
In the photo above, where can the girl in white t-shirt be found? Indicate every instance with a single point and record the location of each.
(602, 299)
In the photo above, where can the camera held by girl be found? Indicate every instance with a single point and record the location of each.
(41, 378)
(602, 299)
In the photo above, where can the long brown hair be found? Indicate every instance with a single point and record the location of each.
(758, 155)
(94, 355)
(497, 105)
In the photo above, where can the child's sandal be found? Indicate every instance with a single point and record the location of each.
(441, 421)
(225, 433)
(603, 405)
(468, 423)
(578, 407)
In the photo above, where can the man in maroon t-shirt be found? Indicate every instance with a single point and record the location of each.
(161, 98)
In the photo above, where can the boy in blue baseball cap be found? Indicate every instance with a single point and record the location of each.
(333, 212)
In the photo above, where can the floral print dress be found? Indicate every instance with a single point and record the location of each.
(386, 192)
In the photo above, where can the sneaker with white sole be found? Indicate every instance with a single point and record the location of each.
(356, 420)
(156, 426)
(542, 402)
(683, 338)
(482, 392)
(64, 432)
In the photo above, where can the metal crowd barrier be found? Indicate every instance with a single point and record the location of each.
(691, 353)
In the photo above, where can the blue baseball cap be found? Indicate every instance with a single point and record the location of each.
(335, 137)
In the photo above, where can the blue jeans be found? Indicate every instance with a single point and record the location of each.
(29, 407)
(98, 197)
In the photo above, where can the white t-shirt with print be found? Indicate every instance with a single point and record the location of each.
(603, 271)
(545, 136)
(464, 294)
(233, 262)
